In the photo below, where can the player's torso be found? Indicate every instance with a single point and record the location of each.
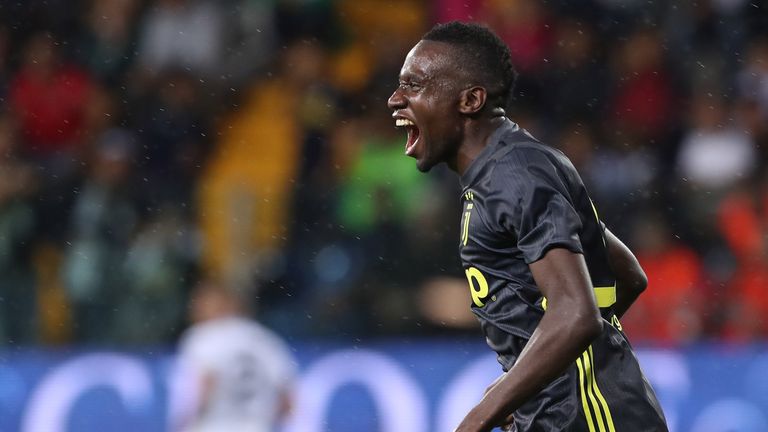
(245, 391)
(502, 288)
(503, 292)
(604, 389)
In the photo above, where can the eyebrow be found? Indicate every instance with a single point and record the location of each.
(415, 76)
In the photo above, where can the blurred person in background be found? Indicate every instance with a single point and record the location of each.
(186, 34)
(242, 372)
(715, 155)
(643, 103)
(752, 79)
(527, 28)
(50, 97)
(576, 75)
(615, 175)
(159, 262)
(376, 207)
(106, 43)
(248, 185)
(742, 220)
(175, 126)
(18, 223)
(671, 311)
(104, 219)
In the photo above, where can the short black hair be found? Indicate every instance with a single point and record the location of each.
(483, 55)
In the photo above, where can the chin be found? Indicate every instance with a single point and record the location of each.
(424, 165)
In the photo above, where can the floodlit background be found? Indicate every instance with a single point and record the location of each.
(146, 146)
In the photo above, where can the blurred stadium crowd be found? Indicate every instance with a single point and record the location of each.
(148, 145)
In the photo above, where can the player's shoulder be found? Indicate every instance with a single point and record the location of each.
(511, 154)
(519, 150)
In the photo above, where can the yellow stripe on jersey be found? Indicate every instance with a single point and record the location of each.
(584, 404)
(605, 296)
(594, 209)
(608, 417)
(592, 399)
(590, 378)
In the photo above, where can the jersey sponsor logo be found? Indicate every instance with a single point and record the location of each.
(478, 286)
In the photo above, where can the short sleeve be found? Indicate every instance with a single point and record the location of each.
(194, 350)
(531, 201)
(277, 356)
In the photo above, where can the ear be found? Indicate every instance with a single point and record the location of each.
(472, 100)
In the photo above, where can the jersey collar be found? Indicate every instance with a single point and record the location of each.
(493, 142)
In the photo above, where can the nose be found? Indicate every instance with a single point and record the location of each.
(397, 100)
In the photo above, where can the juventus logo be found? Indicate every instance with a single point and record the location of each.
(469, 195)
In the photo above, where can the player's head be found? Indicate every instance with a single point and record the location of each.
(458, 72)
(212, 300)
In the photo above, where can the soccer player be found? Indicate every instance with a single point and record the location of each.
(244, 372)
(548, 281)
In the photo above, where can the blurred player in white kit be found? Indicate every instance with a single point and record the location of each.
(242, 371)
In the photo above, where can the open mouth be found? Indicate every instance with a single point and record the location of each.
(413, 134)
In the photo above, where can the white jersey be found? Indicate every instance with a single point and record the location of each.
(250, 367)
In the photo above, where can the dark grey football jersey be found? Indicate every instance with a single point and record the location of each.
(520, 199)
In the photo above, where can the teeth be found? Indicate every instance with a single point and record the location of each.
(404, 122)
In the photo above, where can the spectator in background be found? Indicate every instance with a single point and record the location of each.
(185, 34)
(377, 208)
(242, 372)
(715, 154)
(576, 74)
(106, 45)
(18, 183)
(671, 310)
(700, 38)
(643, 106)
(50, 97)
(742, 219)
(175, 136)
(526, 27)
(619, 176)
(753, 77)
(251, 28)
(369, 57)
(247, 188)
(104, 219)
(157, 267)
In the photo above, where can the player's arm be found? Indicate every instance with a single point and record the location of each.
(572, 320)
(630, 277)
(284, 403)
(207, 386)
(204, 386)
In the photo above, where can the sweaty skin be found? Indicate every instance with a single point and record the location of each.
(440, 99)
(630, 277)
(454, 123)
(571, 321)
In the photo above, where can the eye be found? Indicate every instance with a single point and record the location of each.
(410, 86)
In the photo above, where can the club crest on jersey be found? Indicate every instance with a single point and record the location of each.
(469, 196)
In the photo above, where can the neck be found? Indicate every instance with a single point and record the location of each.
(475, 139)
